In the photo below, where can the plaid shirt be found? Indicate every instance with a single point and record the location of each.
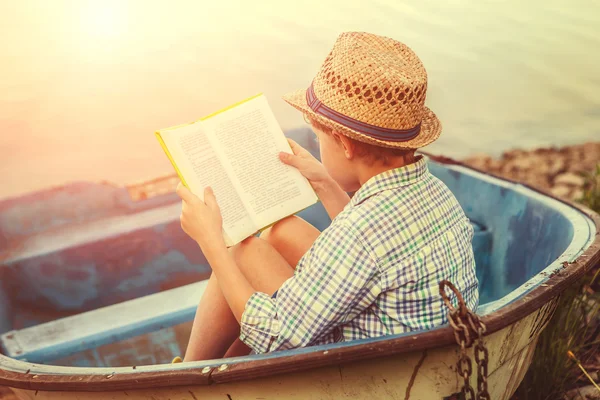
(375, 270)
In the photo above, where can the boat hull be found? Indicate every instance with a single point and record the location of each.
(428, 374)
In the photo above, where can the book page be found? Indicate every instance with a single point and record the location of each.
(251, 139)
(201, 167)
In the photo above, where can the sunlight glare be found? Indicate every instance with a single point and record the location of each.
(104, 19)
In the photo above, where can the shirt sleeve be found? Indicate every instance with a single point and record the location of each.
(334, 281)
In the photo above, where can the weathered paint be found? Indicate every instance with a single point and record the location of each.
(161, 261)
(75, 248)
(57, 339)
(110, 268)
(5, 306)
(482, 248)
(527, 235)
(74, 203)
(44, 343)
(433, 375)
(500, 208)
(157, 347)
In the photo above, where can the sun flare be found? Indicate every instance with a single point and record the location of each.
(104, 19)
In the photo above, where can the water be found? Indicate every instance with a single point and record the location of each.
(84, 84)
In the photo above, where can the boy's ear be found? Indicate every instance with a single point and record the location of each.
(346, 143)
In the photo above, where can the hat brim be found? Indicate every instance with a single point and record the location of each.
(431, 127)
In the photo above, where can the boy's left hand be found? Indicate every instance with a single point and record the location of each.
(201, 220)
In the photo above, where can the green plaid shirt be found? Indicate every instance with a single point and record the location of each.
(375, 270)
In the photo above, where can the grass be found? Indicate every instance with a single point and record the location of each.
(591, 197)
(575, 326)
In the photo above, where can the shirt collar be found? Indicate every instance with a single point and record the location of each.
(391, 179)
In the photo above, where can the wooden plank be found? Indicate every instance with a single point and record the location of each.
(80, 332)
(7, 394)
(153, 348)
(73, 235)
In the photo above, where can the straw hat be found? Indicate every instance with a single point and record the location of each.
(371, 88)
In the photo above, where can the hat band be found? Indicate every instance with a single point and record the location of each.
(376, 132)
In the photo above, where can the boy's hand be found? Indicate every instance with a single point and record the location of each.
(304, 162)
(201, 220)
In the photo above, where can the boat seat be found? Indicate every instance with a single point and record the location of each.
(66, 336)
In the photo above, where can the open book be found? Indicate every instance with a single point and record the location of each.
(235, 152)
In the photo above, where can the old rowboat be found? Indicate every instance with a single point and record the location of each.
(96, 307)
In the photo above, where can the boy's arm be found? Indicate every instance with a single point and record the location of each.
(332, 196)
(202, 221)
(234, 285)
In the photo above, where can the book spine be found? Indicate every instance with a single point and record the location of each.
(168, 153)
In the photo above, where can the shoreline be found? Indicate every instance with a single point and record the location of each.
(560, 170)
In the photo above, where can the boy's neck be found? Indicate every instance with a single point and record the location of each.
(367, 171)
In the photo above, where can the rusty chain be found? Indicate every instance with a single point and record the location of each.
(481, 358)
(468, 328)
(464, 368)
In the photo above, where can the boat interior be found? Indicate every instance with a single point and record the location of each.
(119, 285)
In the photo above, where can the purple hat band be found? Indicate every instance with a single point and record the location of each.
(376, 132)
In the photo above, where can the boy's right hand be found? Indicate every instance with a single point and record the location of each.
(304, 162)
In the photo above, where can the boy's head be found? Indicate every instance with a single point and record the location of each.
(341, 154)
(368, 100)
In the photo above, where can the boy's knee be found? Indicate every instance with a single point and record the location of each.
(280, 230)
(239, 250)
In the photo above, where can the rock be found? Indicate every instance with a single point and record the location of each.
(583, 393)
(541, 166)
(569, 179)
(480, 161)
(545, 150)
(536, 181)
(522, 163)
(560, 170)
(495, 165)
(557, 166)
(577, 195)
(561, 191)
(507, 169)
(512, 154)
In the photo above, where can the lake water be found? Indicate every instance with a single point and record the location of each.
(84, 84)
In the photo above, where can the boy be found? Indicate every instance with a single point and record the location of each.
(375, 270)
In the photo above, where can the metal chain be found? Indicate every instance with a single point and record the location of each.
(481, 358)
(464, 368)
(466, 325)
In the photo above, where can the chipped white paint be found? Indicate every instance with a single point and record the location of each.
(125, 318)
(510, 353)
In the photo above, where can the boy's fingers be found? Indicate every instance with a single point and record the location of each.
(185, 193)
(290, 159)
(296, 148)
(185, 208)
(210, 199)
